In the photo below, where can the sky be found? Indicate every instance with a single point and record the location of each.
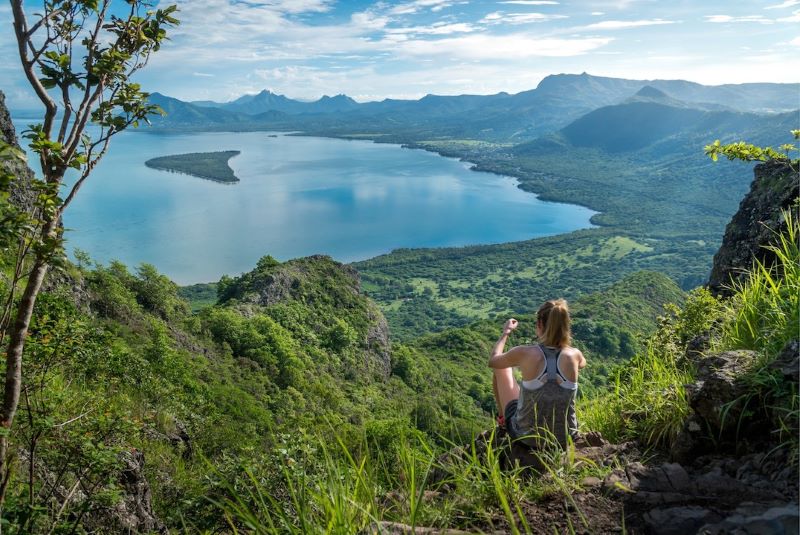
(374, 50)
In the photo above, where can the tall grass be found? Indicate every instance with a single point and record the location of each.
(340, 496)
(354, 492)
(764, 315)
(648, 401)
(765, 307)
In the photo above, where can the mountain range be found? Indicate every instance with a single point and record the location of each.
(556, 102)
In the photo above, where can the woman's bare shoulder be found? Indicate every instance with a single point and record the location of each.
(532, 349)
(572, 352)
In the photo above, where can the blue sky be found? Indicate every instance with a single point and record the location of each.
(373, 50)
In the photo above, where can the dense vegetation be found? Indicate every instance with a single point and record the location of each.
(425, 290)
(663, 207)
(252, 404)
(344, 490)
(210, 165)
(291, 352)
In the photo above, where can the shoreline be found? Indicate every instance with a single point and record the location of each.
(471, 165)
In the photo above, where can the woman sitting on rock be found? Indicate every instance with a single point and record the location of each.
(542, 406)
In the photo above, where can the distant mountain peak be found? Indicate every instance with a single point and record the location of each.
(649, 91)
(339, 97)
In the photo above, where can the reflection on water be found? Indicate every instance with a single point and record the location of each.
(297, 196)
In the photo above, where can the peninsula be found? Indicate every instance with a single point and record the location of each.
(209, 165)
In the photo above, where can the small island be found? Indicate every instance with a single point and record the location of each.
(209, 165)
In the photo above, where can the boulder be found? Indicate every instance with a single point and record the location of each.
(134, 512)
(679, 520)
(716, 399)
(716, 386)
(788, 361)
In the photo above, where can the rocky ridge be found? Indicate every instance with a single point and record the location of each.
(775, 188)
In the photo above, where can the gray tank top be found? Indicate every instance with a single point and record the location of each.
(546, 412)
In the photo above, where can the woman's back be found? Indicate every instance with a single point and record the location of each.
(540, 410)
(546, 404)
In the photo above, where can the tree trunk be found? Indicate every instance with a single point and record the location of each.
(16, 345)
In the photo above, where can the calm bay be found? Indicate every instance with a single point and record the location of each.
(298, 196)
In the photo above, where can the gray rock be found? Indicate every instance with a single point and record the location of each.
(774, 188)
(591, 482)
(713, 398)
(379, 353)
(21, 193)
(669, 477)
(134, 512)
(788, 361)
(678, 520)
(774, 521)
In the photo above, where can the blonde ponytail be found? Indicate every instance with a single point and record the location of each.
(553, 316)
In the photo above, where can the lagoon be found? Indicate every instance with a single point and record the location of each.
(297, 196)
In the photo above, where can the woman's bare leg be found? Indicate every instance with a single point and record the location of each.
(505, 388)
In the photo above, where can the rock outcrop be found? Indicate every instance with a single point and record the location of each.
(713, 495)
(328, 288)
(725, 416)
(133, 513)
(20, 192)
(775, 187)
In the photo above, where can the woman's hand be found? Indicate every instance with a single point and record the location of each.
(510, 325)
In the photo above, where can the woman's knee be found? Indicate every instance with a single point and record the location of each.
(507, 387)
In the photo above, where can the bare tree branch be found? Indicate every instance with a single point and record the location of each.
(84, 106)
(21, 30)
(43, 20)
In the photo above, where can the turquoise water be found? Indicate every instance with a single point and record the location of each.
(297, 196)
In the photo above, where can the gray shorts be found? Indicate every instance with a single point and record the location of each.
(510, 415)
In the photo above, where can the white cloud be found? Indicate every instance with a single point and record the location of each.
(795, 41)
(440, 28)
(410, 8)
(728, 18)
(597, 13)
(501, 47)
(795, 17)
(625, 24)
(518, 18)
(532, 2)
(214, 31)
(203, 74)
(295, 6)
(368, 20)
(369, 84)
(787, 3)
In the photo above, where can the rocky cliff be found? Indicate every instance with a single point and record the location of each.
(20, 195)
(775, 188)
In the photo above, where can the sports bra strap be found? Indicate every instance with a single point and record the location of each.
(551, 365)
